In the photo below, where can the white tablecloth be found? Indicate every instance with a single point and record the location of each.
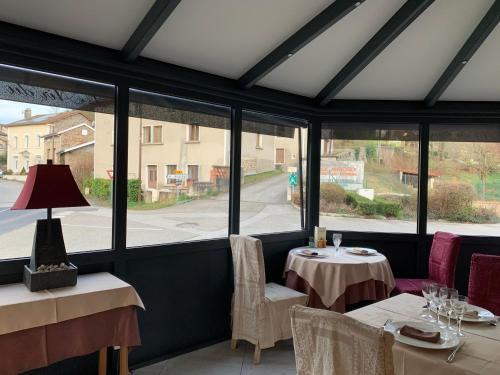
(330, 276)
(480, 355)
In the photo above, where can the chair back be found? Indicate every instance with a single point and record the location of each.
(249, 279)
(327, 343)
(443, 258)
(484, 285)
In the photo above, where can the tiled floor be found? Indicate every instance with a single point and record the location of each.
(221, 360)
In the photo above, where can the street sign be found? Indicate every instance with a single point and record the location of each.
(292, 179)
(177, 176)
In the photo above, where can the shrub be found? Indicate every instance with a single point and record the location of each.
(353, 199)
(101, 188)
(386, 208)
(23, 172)
(367, 208)
(134, 190)
(450, 199)
(332, 193)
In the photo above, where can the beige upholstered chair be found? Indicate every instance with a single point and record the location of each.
(328, 343)
(260, 313)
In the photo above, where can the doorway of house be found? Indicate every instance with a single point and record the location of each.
(152, 176)
(280, 156)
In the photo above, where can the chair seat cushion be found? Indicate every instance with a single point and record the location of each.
(412, 286)
(275, 292)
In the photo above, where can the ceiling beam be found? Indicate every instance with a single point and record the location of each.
(390, 31)
(148, 27)
(476, 39)
(329, 16)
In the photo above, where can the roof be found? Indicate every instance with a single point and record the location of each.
(77, 147)
(415, 173)
(67, 130)
(46, 118)
(374, 50)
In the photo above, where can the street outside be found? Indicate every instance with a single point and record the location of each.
(264, 209)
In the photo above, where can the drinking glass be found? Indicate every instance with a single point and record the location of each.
(447, 296)
(337, 239)
(459, 308)
(427, 289)
(437, 303)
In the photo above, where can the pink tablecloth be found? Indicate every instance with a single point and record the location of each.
(370, 290)
(41, 346)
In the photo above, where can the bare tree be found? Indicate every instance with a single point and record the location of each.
(484, 160)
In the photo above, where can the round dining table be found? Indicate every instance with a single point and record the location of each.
(339, 278)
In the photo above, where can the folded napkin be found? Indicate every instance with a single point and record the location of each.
(472, 314)
(361, 251)
(418, 334)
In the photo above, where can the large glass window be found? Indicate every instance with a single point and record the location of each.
(273, 169)
(464, 189)
(369, 177)
(178, 187)
(45, 116)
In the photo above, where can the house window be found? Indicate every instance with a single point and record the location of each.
(157, 134)
(15, 143)
(26, 141)
(37, 140)
(146, 134)
(193, 172)
(258, 141)
(170, 171)
(193, 133)
(38, 159)
(152, 134)
(16, 165)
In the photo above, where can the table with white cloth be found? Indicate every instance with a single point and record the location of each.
(44, 327)
(339, 279)
(479, 355)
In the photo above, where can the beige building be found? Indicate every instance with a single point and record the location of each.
(158, 150)
(26, 138)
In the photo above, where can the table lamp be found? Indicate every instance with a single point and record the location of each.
(49, 186)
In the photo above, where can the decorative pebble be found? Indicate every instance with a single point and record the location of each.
(53, 267)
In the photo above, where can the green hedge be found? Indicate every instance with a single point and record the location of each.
(134, 190)
(99, 187)
(332, 193)
(377, 206)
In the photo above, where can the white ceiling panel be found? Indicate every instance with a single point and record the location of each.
(227, 37)
(107, 23)
(480, 77)
(311, 68)
(408, 68)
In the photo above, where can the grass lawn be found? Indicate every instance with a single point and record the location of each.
(492, 184)
(253, 178)
(143, 206)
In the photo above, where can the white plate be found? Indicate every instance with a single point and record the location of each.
(361, 251)
(446, 341)
(483, 314)
(320, 254)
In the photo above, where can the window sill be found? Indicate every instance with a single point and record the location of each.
(152, 144)
(192, 142)
(259, 148)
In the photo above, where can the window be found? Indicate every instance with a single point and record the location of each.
(464, 179)
(171, 177)
(193, 173)
(193, 133)
(85, 131)
(152, 134)
(272, 193)
(51, 97)
(183, 185)
(146, 134)
(369, 177)
(258, 141)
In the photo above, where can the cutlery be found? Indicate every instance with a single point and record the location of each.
(388, 321)
(493, 322)
(452, 354)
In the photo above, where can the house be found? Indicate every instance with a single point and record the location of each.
(199, 155)
(34, 139)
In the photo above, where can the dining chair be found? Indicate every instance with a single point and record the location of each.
(484, 288)
(260, 311)
(442, 264)
(327, 343)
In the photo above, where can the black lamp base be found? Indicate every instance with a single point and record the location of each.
(36, 281)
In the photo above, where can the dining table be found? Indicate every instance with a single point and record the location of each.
(480, 353)
(339, 277)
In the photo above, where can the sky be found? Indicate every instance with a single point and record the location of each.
(13, 111)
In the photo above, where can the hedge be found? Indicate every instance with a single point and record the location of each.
(134, 190)
(377, 206)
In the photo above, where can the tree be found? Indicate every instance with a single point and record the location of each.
(484, 160)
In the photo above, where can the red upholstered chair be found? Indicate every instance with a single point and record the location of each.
(484, 288)
(442, 264)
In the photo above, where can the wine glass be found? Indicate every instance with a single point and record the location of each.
(448, 295)
(337, 239)
(459, 307)
(437, 303)
(427, 288)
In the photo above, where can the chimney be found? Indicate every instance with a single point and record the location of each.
(27, 113)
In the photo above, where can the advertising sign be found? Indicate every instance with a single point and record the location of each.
(348, 174)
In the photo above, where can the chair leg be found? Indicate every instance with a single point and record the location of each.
(103, 359)
(256, 355)
(234, 344)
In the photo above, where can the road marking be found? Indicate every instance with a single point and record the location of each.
(7, 209)
(101, 227)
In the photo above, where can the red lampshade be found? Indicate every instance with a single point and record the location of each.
(49, 186)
